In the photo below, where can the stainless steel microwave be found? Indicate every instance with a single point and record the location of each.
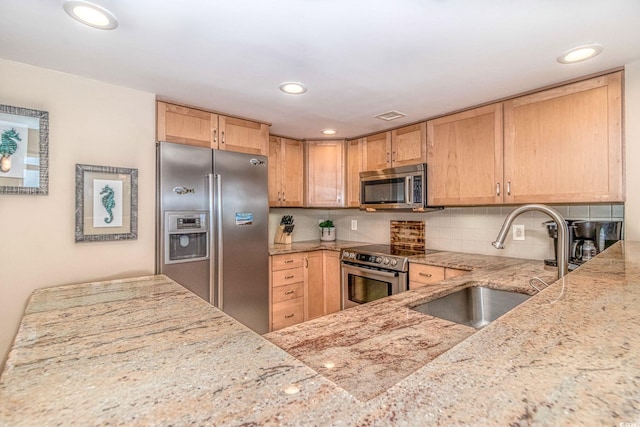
(403, 187)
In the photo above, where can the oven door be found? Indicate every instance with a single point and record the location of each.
(361, 285)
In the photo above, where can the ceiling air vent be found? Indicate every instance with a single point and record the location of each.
(390, 115)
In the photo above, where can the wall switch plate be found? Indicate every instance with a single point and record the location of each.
(354, 224)
(518, 232)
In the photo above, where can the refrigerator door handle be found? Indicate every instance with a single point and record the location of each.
(219, 254)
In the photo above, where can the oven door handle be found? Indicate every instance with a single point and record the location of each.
(366, 270)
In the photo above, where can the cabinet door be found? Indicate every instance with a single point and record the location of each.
(354, 167)
(314, 289)
(409, 145)
(565, 144)
(292, 173)
(332, 287)
(274, 168)
(243, 136)
(421, 275)
(464, 158)
(185, 125)
(325, 173)
(377, 151)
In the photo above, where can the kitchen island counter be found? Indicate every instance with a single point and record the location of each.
(146, 351)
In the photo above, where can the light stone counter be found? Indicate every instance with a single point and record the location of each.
(147, 352)
(312, 245)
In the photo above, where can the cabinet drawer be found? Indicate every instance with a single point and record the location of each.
(287, 277)
(280, 262)
(288, 292)
(287, 313)
(421, 275)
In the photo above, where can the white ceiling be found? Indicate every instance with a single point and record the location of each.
(358, 58)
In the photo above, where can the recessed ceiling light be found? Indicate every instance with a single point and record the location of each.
(293, 88)
(329, 131)
(580, 53)
(91, 14)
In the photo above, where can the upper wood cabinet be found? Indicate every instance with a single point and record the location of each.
(185, 125)
(561, 145)
(205, 129)
(286, 171)
(464, 157)
(354, 167)
(565, 144)
(399, 147)
(325, 173)
(243, 136)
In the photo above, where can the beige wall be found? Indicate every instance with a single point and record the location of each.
(90, 123)
(632, 145)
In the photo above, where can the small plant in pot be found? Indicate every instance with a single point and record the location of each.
(327, 230)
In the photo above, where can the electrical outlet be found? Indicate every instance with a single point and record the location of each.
(518, 232)
(354, 224)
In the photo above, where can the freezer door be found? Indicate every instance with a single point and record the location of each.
(241, 209)
(183, 172)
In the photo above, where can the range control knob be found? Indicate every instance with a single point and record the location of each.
(345, 254)
(378, 260)
(394, 262)
(385, 261)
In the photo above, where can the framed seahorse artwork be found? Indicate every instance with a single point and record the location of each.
(106, 203)
(24, 151)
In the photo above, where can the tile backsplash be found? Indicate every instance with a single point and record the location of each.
(468, 229)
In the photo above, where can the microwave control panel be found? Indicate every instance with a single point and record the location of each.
(417, 189)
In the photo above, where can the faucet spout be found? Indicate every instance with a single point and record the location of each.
(563, 233)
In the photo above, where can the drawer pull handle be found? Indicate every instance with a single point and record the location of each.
(288, 261)
(289, 276)
(288, 316)
(425, 274)
(289, 292)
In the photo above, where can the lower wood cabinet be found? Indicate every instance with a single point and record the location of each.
(421, 275)
(304, 285)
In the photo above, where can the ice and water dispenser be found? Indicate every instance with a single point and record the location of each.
(186, 236)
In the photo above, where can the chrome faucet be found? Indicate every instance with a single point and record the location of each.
(563, 233)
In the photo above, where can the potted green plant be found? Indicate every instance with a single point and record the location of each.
(327, 230)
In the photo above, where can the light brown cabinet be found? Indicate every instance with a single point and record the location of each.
(421, 275)
(287, 290)
(202, 128)
(464, 157)
(565, 144)
(304, 285)
(354, 167)
(562, 145)
(399, 147)
(323, 284)
(286, 171)
(325, 173)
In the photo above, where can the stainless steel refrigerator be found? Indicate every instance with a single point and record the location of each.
(212, 228)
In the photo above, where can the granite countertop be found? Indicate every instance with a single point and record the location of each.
(146, 351)
(311, 245)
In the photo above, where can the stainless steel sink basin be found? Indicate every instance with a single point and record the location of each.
(476, 306)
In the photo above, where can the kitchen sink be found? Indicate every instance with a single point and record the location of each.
(476, 306)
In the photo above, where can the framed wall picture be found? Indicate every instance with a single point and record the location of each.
(24, 151)
(106, 203)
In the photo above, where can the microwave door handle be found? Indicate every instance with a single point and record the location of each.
(408, 186)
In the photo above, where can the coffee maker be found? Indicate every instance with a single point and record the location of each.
(586, 239)
(593, 237)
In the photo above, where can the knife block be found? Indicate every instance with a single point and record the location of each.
(282, 237)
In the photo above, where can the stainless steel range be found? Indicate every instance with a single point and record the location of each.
(372, 272)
